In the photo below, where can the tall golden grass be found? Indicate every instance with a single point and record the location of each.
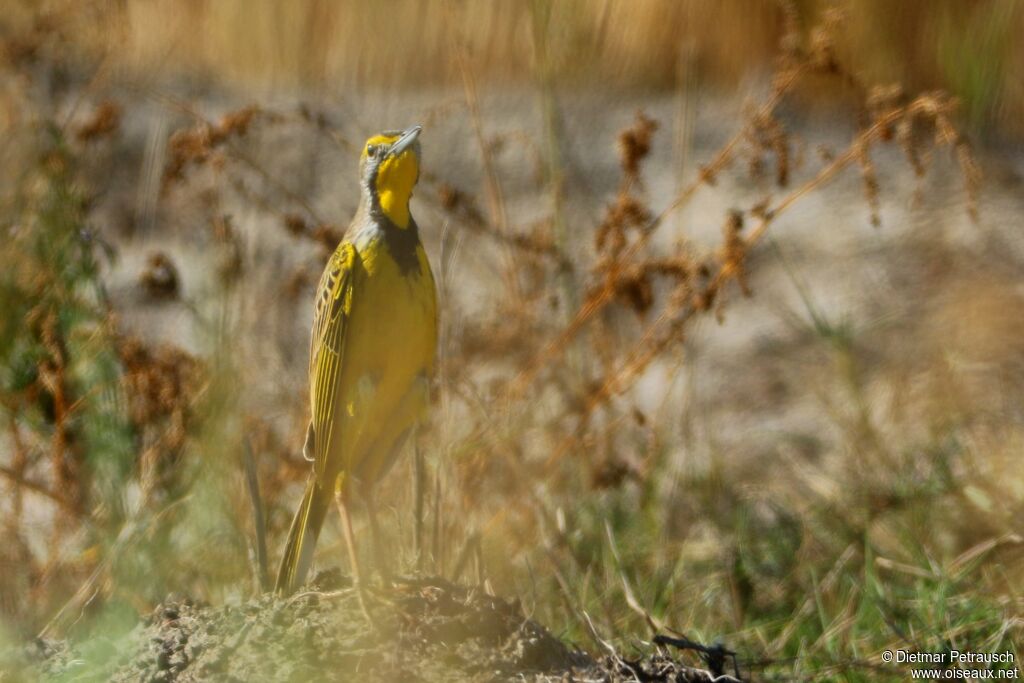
(965, 47)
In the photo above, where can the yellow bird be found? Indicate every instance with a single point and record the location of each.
(372, 350)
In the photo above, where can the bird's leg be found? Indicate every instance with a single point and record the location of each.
(420, 484)
(341, 498)
(378, 549)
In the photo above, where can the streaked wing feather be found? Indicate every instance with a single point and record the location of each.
(327, 345)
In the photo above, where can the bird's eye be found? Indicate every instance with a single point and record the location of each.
(371, 151)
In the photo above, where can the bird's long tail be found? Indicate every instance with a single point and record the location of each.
(298, 553)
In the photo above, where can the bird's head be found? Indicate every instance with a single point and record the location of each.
(389, 167)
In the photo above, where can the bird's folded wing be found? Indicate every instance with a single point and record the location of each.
(327, 344)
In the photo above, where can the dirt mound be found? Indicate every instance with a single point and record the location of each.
(425, 630)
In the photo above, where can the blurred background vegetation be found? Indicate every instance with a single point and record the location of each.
(965, 47)
(832, 469)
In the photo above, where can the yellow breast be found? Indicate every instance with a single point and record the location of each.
(389, 357)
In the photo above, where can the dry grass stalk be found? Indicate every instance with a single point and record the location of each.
(624, 276)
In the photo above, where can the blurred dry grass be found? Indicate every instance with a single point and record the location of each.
(836, 487)
(964, 47)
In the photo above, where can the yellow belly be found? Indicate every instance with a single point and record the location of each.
(388, 361)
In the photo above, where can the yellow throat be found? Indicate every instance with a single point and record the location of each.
(396, 178)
